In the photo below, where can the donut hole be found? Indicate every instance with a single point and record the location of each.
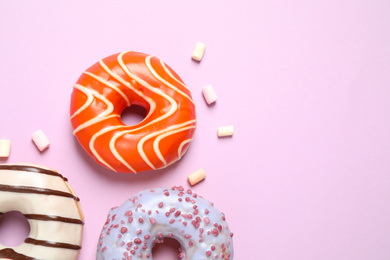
(14, 228)
(133, 115)
(168, 250)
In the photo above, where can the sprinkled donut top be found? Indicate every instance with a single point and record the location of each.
(132, 229)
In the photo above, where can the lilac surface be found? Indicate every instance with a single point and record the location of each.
(305, 84)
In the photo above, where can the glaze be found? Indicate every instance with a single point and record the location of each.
(105, 89)
(51, 207)
(143, 220)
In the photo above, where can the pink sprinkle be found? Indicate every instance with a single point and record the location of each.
(215, 232)
(128, 213)
(160, 205)
(141, 220)
(123, 230)
(137, 241)
(152, 221)
(206, 221)
(208, 253)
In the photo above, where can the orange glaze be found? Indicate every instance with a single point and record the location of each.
(105, 89)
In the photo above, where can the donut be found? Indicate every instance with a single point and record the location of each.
(146, 218)
(119, 81)
(51, 207)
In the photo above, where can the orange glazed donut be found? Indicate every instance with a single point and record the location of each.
(105, 89)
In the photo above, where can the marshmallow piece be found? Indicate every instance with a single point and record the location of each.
(198, 52)
(209, 94)
(5, 147)
(196, 176)
(225, 131)
(40, 140)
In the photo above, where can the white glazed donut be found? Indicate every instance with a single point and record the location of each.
(51, 207)
(132, 229)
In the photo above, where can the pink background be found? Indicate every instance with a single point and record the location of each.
(306, 85)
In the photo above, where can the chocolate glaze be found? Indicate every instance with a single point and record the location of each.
(26, 189)
(29, 168)
(53, 218)
(46, 243)
(11, 254)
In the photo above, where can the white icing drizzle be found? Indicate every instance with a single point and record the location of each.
(86, 104)
(173, 77)
(100, 117)
(93, 150)
(154, 73)
(152, 104)
(172, 110)
(160, 137)
(180, 149)
(141, 142)
(108, 84)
